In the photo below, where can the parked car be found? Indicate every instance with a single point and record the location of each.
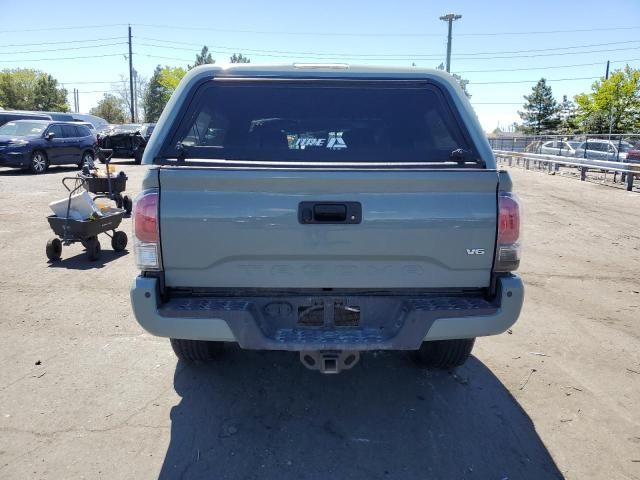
(633, 155)
(10, 115)
(34, 145)
(598, 149)
(126, 141)
(325, 211)
(146, 130)
(90, 126)
(559, 147)
(97, 122)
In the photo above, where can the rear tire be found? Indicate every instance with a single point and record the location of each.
(444, 354)
(87, 157)
(137, 156)
(190, 351)
(54, 249)
(93, 249)
(127, 204)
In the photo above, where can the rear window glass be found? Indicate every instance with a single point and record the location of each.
(330, 122)
(83, 131)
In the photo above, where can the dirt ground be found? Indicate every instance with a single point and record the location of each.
(85, 393)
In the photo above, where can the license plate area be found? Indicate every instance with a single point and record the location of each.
(330, 313)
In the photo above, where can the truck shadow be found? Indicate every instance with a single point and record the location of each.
(256, 415)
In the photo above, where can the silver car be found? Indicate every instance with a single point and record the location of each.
(597, 149)
(560, 147)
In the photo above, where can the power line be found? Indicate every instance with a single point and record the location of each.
(546, 68)
(330, 34)
(338, 54)
(77, 27)
(65, 58)
(63, 42)
(376, 34)
(534, 81)
(477, 56)
(65, 48)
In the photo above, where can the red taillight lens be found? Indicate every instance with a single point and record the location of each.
(508, 218)
(508, 247)
(145, 217)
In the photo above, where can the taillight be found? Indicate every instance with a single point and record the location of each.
(508, 247)
(146, 231)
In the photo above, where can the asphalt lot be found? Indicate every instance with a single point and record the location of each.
(85, 393)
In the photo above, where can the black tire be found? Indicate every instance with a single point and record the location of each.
(93, 249)
(190, 351)
(137, 156)
(119, 241)
(54, 249)
(444, 353)
(127, 204)
(87, 157)
(39, 162)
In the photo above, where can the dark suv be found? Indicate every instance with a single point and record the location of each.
(34, 145)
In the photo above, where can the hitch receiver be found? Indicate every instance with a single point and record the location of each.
(330, 361)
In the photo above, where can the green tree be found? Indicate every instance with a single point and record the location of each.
(239, 58)
(567, 114)
(540, 110)
(156, 97)
(48, 96)
(110, 108)
(461, 81)
(161, 86)
(203, 58)
(170, 77)
(27, 89)
(613, 103)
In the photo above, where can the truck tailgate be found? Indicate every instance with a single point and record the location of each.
(241, 228)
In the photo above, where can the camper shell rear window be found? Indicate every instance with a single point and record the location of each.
(305, 122)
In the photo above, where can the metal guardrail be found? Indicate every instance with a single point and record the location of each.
(552, 162)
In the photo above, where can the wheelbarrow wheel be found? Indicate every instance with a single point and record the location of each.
(54, 249)
(119, 241)
(93, 249)
(127, 204)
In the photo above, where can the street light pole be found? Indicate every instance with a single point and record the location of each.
(450, 17)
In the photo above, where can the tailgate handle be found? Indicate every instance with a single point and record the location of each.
(330, 212)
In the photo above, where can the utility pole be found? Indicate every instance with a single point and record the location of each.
(131, 78)
(135, 94)
(606, 75)
(77, 100)
(450, 17)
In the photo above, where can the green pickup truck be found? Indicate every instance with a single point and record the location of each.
(326, 210)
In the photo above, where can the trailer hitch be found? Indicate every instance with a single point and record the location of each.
(330, 361)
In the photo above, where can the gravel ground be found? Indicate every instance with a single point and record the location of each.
(85, 393)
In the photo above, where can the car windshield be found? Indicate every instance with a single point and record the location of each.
(332, 122)
(22, 129)
(573, 145)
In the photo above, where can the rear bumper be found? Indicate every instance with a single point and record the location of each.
(393, 322)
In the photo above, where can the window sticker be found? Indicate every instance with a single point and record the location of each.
(333, 141)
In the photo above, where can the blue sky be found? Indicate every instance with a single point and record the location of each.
(387, 33)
